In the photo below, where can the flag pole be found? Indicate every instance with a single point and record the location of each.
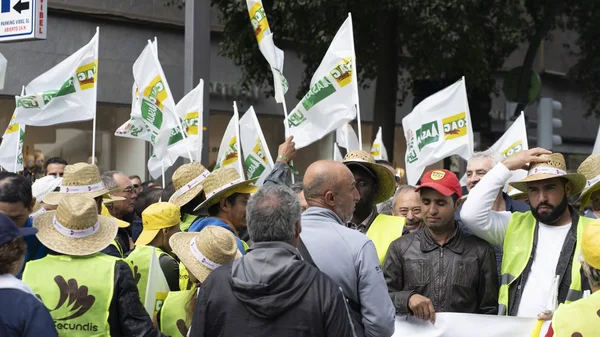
(162, 168)
(200, 135)
(95, 100)
(236, 116)
(19, 141)
(286, 127)
(355, 80)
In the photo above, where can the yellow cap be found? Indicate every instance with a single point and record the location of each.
(156, 217)
(590, 244)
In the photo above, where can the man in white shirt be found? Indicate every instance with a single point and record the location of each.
(538, 245)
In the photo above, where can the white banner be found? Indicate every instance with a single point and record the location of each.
(229, 150)
(11, 149)
(331, 101)
(378, 150)
(66, 93)
(346, 138)
(157, 288)
(267, 47)
(153, 116)
(449, 324)
(438, 127)
(257, 158)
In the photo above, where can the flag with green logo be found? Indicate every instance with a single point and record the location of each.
(153, 116)
(230, 149)
(333, 95)
(189, 110)
(512, 141)
(257, 158)
(438, 127)
(66, 93)
(267, 47)
(11, 148)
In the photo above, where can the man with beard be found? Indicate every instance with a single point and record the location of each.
(540, 245)
(375, 184)
(348, 257)
(407, 203)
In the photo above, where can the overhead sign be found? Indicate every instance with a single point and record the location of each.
(23, 19)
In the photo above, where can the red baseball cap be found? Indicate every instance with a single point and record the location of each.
(443, 181)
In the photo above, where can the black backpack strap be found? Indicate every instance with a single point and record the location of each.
(355, 306)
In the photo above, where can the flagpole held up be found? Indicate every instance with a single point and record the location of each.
(200, 135)
(19, 141)
(236, 116)
(355, 79)
(95, 101)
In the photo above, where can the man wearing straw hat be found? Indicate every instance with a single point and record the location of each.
(86, 292)
(539, 246)
(270, 291)
(590, 196)
(201, 253)
(84, 179)
(344, 254)
(582, 318)
(187, 180)
(226, 196)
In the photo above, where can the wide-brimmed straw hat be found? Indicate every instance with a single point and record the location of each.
(75, 228)
(204, 251)
(385, 178)
(590, 168)
(514, 193)
(222, 183)
(187, 180)
(83, 179)
(555, 167)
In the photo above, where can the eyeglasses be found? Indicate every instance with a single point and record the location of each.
(130, 190)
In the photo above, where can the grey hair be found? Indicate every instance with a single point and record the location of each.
(109, 181)
(590, 272)
(401, 190)
(385, 207)
(272, 214)
(486, 155)
(297, 187)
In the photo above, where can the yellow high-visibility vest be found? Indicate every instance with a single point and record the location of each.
(383, 231)
(175, 319)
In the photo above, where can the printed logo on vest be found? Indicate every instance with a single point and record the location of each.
(181, 326)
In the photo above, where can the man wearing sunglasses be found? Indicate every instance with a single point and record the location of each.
(55, 166)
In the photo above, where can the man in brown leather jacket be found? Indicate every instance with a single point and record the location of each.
(439, 268)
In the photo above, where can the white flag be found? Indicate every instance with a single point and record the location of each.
(346, 138)
(337, 155)
(153, 116)
(438, 127)
(597, 143)
(63, 94)
(257, 158)
(512, 141)
(267, 47)
(378, 150)
(11, 148)
(229, 150)
(157, 288)
(331, 101)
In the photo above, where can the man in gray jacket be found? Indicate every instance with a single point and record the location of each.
(345, 255)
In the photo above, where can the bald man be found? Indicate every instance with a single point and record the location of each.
(345, 255)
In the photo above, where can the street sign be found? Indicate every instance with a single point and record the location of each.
(23, 19)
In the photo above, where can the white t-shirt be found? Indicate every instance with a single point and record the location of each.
(537, 290)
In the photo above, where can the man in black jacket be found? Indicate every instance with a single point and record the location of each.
(438, 268)
(271, 291)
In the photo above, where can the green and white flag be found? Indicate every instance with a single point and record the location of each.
(438, 127)
(267, 47)
(189, 109)
(152, 108)
(63, 94)
(229, 150)
(11, 148)
(257, 158)
(333, 96)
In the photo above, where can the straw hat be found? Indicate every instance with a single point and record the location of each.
(514, 193)
(204, 251)
(589, 244)
(222, 183)
(75, 228)
(187, 181)
(554, 168)
(156, 217)
(83, 179)
(590, 168)
(385, 178)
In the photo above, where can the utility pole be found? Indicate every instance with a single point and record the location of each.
(197, 59)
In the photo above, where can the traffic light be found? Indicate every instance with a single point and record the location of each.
(547, 123)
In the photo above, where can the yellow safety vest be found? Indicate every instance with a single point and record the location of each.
(140, 258)
(187, 221)
(77, 290)
(383, 231)
(580, 316)
(175, 320)
(184, 278)
(518, 246)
